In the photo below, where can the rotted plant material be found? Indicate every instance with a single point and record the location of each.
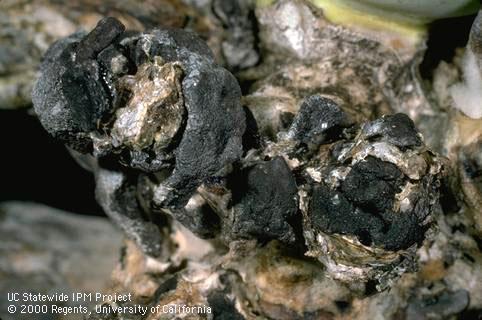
(239, 45)
(467, 94)
(156, 103)
(367, 192)
(151, 102)
(265, 202)
(54, 251)
(307, 169)
(29, 28)
(368, 73)
(372, 196)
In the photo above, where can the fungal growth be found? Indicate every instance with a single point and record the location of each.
(367, 191)
(339, 178)
(141, 103)
(162, 128)
(264, 202)
(380, 187)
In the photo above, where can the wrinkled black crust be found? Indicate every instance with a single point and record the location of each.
(319, 120)
(363, 204)
(363, 207)
(397, 129)
(74, 99)
(264, 200)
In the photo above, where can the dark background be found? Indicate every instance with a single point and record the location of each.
(34, 167)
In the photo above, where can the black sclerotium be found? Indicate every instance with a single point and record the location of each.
(364, 207)
(85, 82)
(319, 120)
(264, 202)
(69, 97)
(372, 184)
(92, 96)
(397, 129)
(364, 203)
(156, 146)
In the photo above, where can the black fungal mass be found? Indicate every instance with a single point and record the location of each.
(319, 120)
(264, 201)
(335, 212)
(397, 129)
(364, 202)
(162, 128)
(372, 184)
(154, 101)
(154, 113)
(118, 198)
(70, 96)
